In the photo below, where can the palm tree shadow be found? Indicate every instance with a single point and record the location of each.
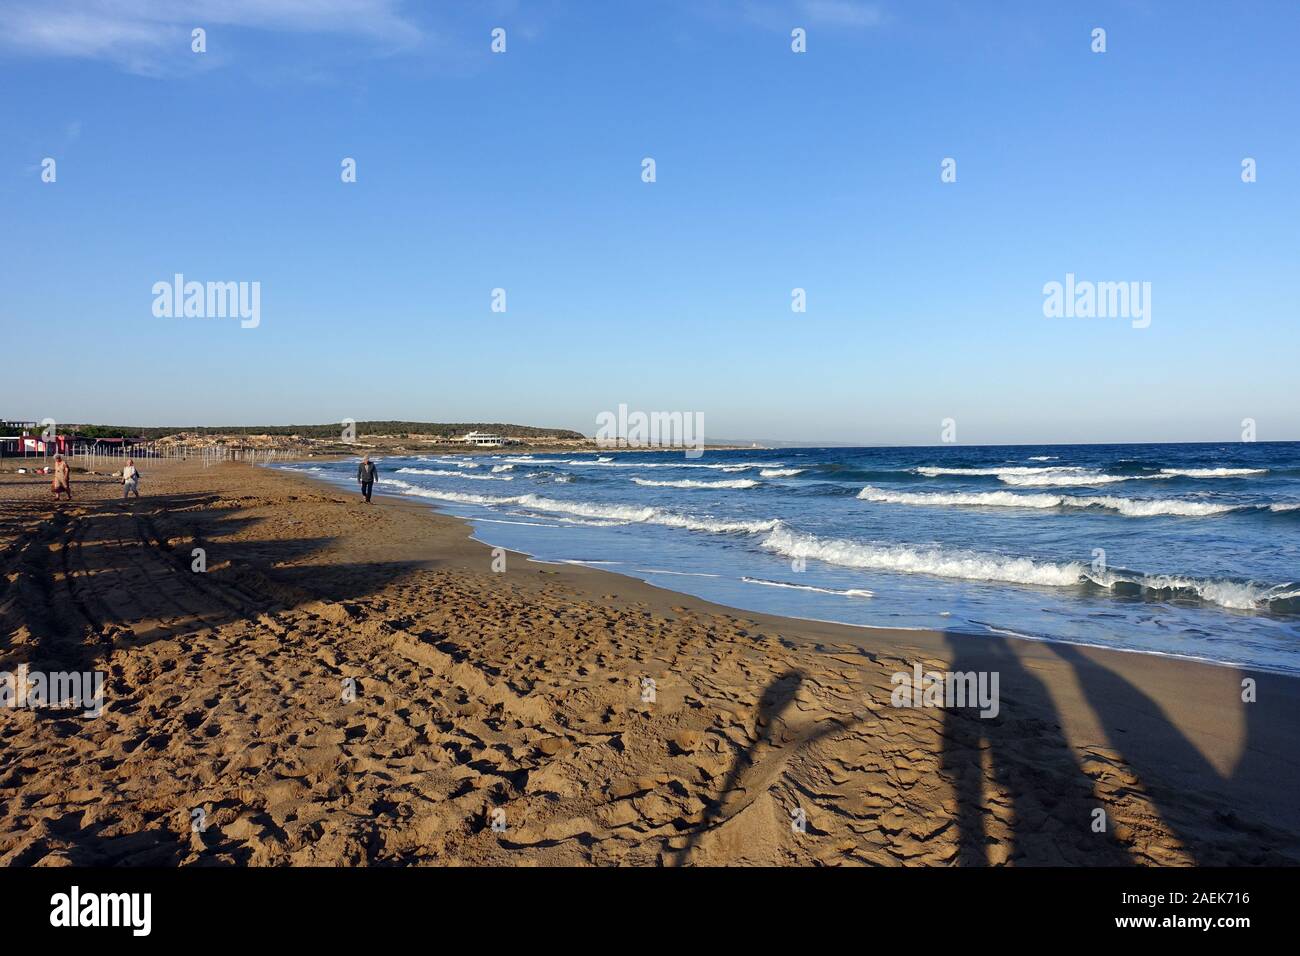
(1036, 788)
(1041, 788)
(772, 706)
(773, 703)
(1159, 753)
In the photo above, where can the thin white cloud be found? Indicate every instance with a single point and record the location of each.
(139, 34)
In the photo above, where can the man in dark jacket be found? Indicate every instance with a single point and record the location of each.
(366, 473)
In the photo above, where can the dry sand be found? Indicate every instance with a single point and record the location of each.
(522, 692)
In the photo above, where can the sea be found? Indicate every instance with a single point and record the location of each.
(1185, 550)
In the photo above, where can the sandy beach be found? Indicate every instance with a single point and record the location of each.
(508, 717)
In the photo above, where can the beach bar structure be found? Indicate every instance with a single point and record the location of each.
(27, 439)
(12, 435)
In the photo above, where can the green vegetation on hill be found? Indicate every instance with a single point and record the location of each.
(333, 430)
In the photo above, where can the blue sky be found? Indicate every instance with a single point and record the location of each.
(775, 170)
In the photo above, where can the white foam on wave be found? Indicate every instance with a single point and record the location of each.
(718, 466)
(850, 592)
(1213, 472)
(1000, 470)
(497, 468)
(441, 473)
(967, 565)
(1073, 475)
(587, 522)
(1240, 595)
(976, 566)
(1025, 476)
(1129, 507)
(1069, 478)
(644, 514)
(1005, 499)
(688, 483)
(1144, 508)
(780, 472)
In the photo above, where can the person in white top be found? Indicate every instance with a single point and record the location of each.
(130, 479)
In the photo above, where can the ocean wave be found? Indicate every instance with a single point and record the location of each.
(1067, 479)
(438, 472)
(1130, 507)
(933, 471)
(1005, 499)
(993, 568)
(780, 472)
(967, 565)
(1043, 476)
(1148, 507)
(688, 483)
(497, 468)
(717, 466)
(1060, 470)
(1213, 472)
(634, 514)
(849, 592)
(1026, 476)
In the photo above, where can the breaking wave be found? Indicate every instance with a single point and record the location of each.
(1130, 507)
(1213, 472)
(976, 566)
(437, 472)
(1073, 475)
(631, 514)
(688, 483)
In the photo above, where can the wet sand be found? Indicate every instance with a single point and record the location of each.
(520, 699)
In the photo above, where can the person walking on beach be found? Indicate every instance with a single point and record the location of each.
(366, 474)
(130, 479)
(62, 478)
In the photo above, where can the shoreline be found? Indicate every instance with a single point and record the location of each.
(1002, 632)
(523, 691)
